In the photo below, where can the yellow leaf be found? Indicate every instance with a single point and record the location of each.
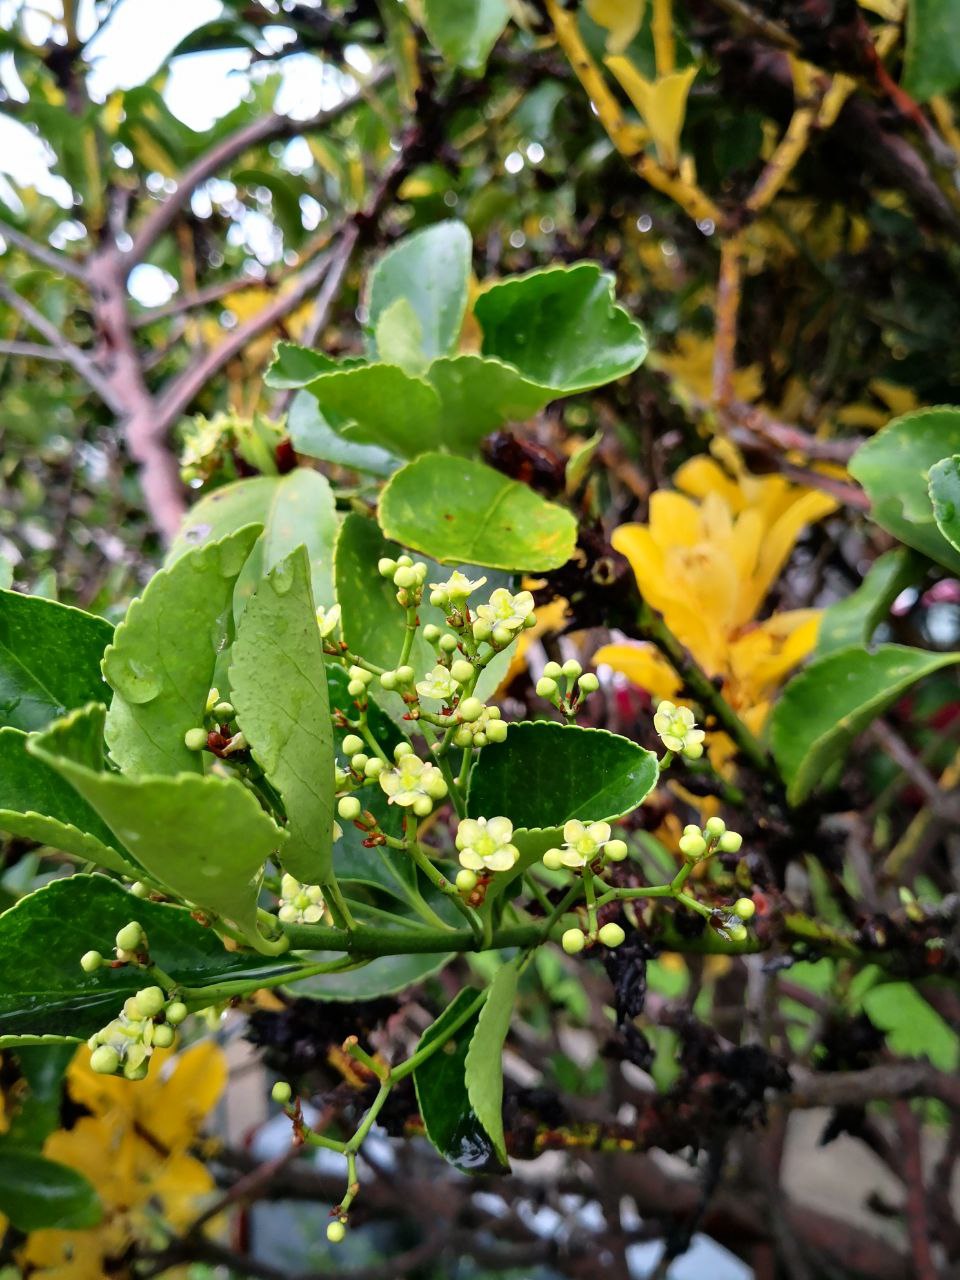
(662, 103)
(620, 18)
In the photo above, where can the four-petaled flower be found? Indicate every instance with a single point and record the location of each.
(485, 845)
(439, 684)
(677, 729)
(328, 620)
(412, 779)
(506, 610)
(300, 903)
(582, 842)
(457, 587)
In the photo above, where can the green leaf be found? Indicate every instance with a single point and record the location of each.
(944, 489)
(853, 620)
(222, 836)
(36, 804)
(430, 270)
(313, 434)
(478, 395)
(399, 338)
(561, 327)
(381, 404)
(279, 689)
(294, 366)
(372, 621)
(833, 700)
(893, 467)
(49, 659)
(450, 1121)
(465, 30)
(484, 1064)
(459, 511)
(163, 655)
(912, 1027)
(38, 1194)
(298, 508)
(385, 976)
(932, 59)
(43, 990)
(42, 1069)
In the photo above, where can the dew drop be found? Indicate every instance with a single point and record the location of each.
(282, 577)
(134, 680)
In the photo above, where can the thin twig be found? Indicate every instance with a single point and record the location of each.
(50, 257)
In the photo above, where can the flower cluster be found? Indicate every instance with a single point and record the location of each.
(486, 844)
(504, 617)
(413, 783)
(125, 1045)
(699, 842)
(583, 843)
(677, 729)
(300, 903)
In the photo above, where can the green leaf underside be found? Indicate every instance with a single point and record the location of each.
(279, 689)
(38, 1114)
(451, 1123)
(385, 976)
(38, 1194)
(49, 660)
(313, 434)
(43, 990)
(458, 511)
(298, 508)
(853, 620)
(824, 708)
(222, 835)
(932, 58)
(561, 327)
(484, 1064)
(373, 623)
(944, 488)
(893, 466)
(162, 659)
(465, 30)
(37, 804)
(429, 270)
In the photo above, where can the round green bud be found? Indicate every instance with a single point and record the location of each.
(691, 829)
(406, 675)
(105, 1060)
(356, 688)
(91, 961)
(176, 1012)
(572, 669)
(150, 1001)
(359, 762)
(501, 636)
(745, 908)
(431, 633)
(693, 846)
(349, 808)
(461, 670)
(405, 577)
(693, 751)
(588, 683)
(388, 681)
(130, 936)
(482, 630)
(422, 806)
(497, 731)
(195, 739)
(352, 744)
(402, 749)
(139, 889)
(336, 1232)
(463, 737)
(224, 711)
(730, 842)
(386, 567)
(281, 1092)
(405, 559)
(737, 932)
(553, 860)
(547, 688)
(493, 713)
(163, 1036)
(374, 767)
(361, 674)
(470, 709)
(480, 739)
(136, 1070)
(438, 598)
(553, 670)
(436, 786)
(529, 621)
(466, 880)
(573, 941)
(448, 642)
(611, 935)
(714, 827)
(616, 850)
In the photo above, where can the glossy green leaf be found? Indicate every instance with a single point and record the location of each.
(385, 976)
(450, 1121)
(49, 660)
(43, 990)
(893, 467)
(37, 1194)
(383, 405)
(430, 270)
(854, 619)
(561, 327)
(465, 512)
(465, 30)
(944, 489)
(162, 659)
(399, 337)
(484, 1064)
(37, 804)
(279, 689)
(42, 1068)
(294, 366)
(206, 838)
(832, 701)
(478, 395)
(372, 621)
(313, 434)
(932, 60)
(298, 508)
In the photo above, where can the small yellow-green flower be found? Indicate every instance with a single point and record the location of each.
(507, 610)
(582, 843)
(328, 620)
(300, 903)
(413, 781)
(455, 590)
(439, 685)
(677, 729)
(485, 844)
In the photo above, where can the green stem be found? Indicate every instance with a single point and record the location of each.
(366, 941)
(591, 896)
(339, 901)
(417, 1059)
(409, 633)
(203, 997)
(370, 1118)
(439, 881)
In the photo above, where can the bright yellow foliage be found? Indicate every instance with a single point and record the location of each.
(662, 104)
(621, 19)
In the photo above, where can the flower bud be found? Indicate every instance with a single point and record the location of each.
(461, 670)
(615, 850)
(405, 675)
(135, 1070)
(480, 739)
(572, 669)
(745, 908)
(691, 829)
(356, 688)
(195, 739)
(359, 762)
(611, 935)
(336, 1232)
(91, 961)
(130, 936)
(737, 932)
(436, 786)
(402, 749)
(448, 642)
(386, 567)
(361, 674)
(422, 806)
(588, 683)
(224, 711)
(463, 738)
(482, 630)
(349, 808)
(431, 633)
(405, 559)
(573, 941)
(497, 731)
(470, 709)
(176, 1012)
(714, 827)
(139, 889)
(547, 688)
(438, 598)
(163, 1036)
(553, 860)
(352, 744)
(553, 670)
(388, 681)
(105, 1060)
(693, 750)
(150, 1001)
(730, 842)
(466, 880)
(374, 767)
(405, 577)
(693, 846)
(281, 1092)
(501, 637)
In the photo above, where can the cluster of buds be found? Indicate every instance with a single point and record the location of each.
(574, 940)
(566, 686)
(219, 733)
(300, 903)
(585, 845)
(360, 677)
(678, 730)
(700, 842)
(733, 926)
(481, 728)
(407, 575)
(362, 767)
